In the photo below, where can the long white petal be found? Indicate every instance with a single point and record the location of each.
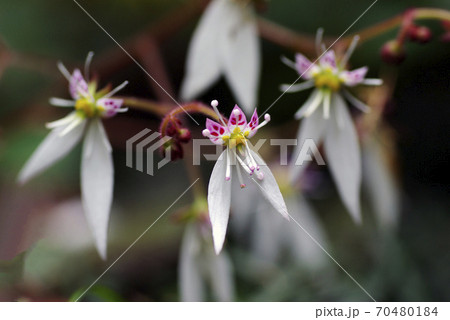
(189, 270)
(221, 276)
(203, 65)
(240, 54)
(97, 182)
(297, 87)
(381, 187)
(269, 187)
(52, 149)
(312, 128)
(344, 157)
(219, 197)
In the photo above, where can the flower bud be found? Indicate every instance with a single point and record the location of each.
(393, 52)
(173, 148)
(419, 34)
(184, 135)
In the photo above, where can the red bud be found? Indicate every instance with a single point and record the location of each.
(393, 52)
(419, 34)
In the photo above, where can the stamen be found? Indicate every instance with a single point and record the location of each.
(61, 122)
(214, 105)
(326, 105)
(115, 90)
(260, 175)
(206, 133)
(228, 171)
(249, 156)
(238, 169)
(288, 62)
(267, 119)
(349, 52)
(121, 110)
(319, 38)
(356, 102)
(64, 71)
(314, 104)
(244, 166)
(71, 126)
(58, 102)
(87, 65)
(372, 82)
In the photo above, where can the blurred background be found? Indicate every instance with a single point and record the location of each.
(46, 250)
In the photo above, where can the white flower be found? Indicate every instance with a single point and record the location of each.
(333, 125)
(225, 43)
(382, 189)
(200, 268)
(234, 135)
(271, 239)
(96, 164)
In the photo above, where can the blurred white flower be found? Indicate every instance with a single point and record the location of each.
(381, 187)
(225, 43)
(96, 165)
(234, 134)
(334, 125)
(271, 236)
(201, 269)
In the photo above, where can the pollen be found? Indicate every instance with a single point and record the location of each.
(237, 138)
(326, 79)
(86, 107)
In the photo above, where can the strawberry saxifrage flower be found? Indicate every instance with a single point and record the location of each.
(333, 124)
(97, 171)
(234, 135)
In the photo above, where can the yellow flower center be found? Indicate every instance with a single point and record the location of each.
(87, 108)
(326, 79)
(237, 138)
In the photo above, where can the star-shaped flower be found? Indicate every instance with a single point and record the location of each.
(225, 43)
(234, 135)
(96, 165)
(333, 125)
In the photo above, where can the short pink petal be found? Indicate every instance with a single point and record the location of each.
(216, 131)
(251, 126)
(304, 66)
(110, 105)
(78, 87)
(328, 60)
(237, 119)
(352, 78)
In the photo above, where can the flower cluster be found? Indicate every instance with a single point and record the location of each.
(97, 169)
(334, 126)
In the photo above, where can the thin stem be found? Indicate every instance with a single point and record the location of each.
(385, 26)
(194, 107)
(147, 105)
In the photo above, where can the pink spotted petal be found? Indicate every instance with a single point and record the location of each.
(110, 106)
(237, 119)
(328, 60)
(251, 126)
(78, 87)
(217, 131)
(352, 78)
(304, 66)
